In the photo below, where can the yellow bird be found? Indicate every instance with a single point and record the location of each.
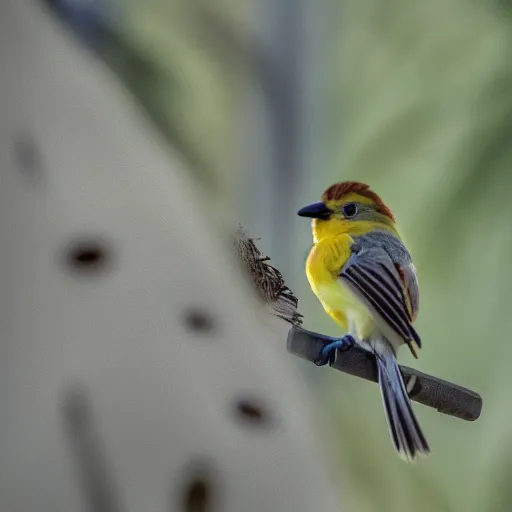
(363, 274)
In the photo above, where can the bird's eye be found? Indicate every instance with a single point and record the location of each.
(349, 210)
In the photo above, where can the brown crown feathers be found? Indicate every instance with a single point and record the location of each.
(340, 190)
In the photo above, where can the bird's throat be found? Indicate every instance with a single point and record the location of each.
(328, 229)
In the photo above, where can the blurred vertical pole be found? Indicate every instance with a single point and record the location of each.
(281, 120)
(314, 154)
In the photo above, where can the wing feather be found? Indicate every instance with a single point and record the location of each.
(372, 275)
(411, 290)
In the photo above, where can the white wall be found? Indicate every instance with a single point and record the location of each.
(79, 165)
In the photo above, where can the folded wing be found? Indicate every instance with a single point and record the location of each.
(379, 283)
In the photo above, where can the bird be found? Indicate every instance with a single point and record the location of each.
(362, 273)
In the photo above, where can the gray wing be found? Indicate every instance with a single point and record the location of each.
(373, 277)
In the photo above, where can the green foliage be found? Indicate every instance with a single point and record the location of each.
(425, 92)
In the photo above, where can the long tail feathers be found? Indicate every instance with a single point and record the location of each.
(404, 428)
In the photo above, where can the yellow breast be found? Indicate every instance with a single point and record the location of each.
(323, 265)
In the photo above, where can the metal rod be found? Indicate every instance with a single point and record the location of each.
(446, 397)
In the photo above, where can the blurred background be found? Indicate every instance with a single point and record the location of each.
(271, 101)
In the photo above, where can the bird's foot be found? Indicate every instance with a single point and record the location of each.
(328, 352)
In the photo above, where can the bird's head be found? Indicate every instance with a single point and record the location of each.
(348, 207)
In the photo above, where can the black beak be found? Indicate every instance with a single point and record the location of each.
(315, 211)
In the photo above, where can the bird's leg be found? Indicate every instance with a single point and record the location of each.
(328, 352)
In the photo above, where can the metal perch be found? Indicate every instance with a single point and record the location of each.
(446, 397)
